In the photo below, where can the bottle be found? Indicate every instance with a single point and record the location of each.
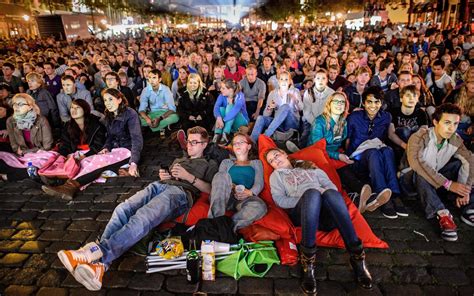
(193, 264)
(208, 261)
(162, 134)
(32, 171)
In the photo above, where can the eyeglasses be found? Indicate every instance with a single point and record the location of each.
(194, 142)
(19, 104)
(338, 102)
(239, 143)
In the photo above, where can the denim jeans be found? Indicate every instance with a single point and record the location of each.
(431, 197)
(324, 212)
(306, 128)
(403, 133)
(247, 211)
(233, 124)
(379, 165)
(284, 120)
(137, 216)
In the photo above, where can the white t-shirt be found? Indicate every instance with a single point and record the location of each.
(445, 79)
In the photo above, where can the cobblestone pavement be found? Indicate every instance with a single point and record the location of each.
(33, 227)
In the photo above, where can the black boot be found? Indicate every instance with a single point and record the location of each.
(308, 262)
(361, 273)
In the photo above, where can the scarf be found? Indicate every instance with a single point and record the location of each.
(25, 121)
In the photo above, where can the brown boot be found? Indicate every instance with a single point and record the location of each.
(357, 260)
(66, 191)
(308, 262)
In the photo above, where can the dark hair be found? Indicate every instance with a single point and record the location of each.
(115, 75)
(4, 104)
(385, 63)
(6, 86)
(49, 63)
(253, 153)
(376, 91)
(199, 130)
(447, 108)
(109, 116)
(438, 62)
(68, 77)
(409, 88)
(9, 65)
(156, 72)
(268, 56)
(302, 164)
(61, 61)
(75, 133)
(230, 83)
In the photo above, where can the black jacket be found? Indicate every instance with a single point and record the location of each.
(203, 105)
(47, 105)
(95, 138)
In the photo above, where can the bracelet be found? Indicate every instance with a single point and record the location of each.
(447, 184)
(194, 181)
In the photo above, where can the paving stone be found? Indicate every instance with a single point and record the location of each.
(457, 248)
(33, 247)
(104, 207)
(160, 293)
(51, 278)
(70, 282)
(399, 247)
(10, 246)
(116, 279)
(121, 292)
(255, 286)
(380, 274)
(26, 276)
(133, 263)
(61, 215)
(287, 287)
(26, 234)
(29, 225)
(24, 216)
(33, 206)
(397, 290)
(278, 271)
(13, 259)
(445, 261)
(89, 215)
(55, 225)
(450, 276)
(376, 259)
(353, 289)
(40, 261)
(340, 273)
(336, 258)
(11, 205)
(106, 198)
(85, 292)
(58, 206)
(58, 246)
(83, 226)
(147, 282)
(439, 290)
(408, 275)
(330, 288)
(15, 290)
(423, 247)
(53, 235)
(409, 260)
(220, 287)
(178, 284)
(104, 217)
(466, 291)
(80, 206)
(14, 197)
(47, 291)
(76, 236)
(6, 233)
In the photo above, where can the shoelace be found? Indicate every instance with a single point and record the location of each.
(80, 256)
(353, 195)
(447, 223)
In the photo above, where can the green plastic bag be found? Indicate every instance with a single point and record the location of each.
(253, 260)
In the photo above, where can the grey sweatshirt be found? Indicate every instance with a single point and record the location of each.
(288, 185)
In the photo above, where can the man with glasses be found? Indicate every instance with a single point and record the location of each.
(367, 131)
(112, 80)
(160, 201)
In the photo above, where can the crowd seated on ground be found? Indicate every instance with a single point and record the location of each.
(381, 116)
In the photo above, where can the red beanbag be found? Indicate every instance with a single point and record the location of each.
(320, 158)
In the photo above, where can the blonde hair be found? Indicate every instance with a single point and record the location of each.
(33, 76)
(29, 100)
(201, 84)
(339, 126)
(464, 102)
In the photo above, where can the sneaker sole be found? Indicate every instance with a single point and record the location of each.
(382, 199)
(65, 261)
(85, 276)
(390, 217)
(54, 193)
(402, 214)
(468, 222)
(449, 239)
(364, 197)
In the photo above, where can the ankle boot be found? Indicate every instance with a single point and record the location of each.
(308, 262)
(361, 273)
(66, 191)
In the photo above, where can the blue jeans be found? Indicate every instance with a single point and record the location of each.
(403, 133)
(324, 212)
(431, 197)
(137, 216)
(233, 124)
(284, 120)
(379, 165)
(306, 128)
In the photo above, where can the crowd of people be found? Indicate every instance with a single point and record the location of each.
(394, 109)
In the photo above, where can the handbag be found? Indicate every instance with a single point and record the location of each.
(60, 167)
(253, 260)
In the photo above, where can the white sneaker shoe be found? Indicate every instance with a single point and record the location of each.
(90, 275)
(86, 254)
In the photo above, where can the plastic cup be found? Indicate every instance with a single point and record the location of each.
(221, 247)
(239, 188)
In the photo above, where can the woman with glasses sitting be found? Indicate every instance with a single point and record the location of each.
(28, 132)
(238, 183)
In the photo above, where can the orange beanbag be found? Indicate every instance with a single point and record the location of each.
(320, 158)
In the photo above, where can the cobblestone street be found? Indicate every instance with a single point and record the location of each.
(33, 227)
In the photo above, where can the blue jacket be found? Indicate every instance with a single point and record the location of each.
(239, 106)
(354, 97)
(124, 131)
(358, 124)
(320, 131)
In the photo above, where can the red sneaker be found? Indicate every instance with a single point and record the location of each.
(447, 225)
(181, 137)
